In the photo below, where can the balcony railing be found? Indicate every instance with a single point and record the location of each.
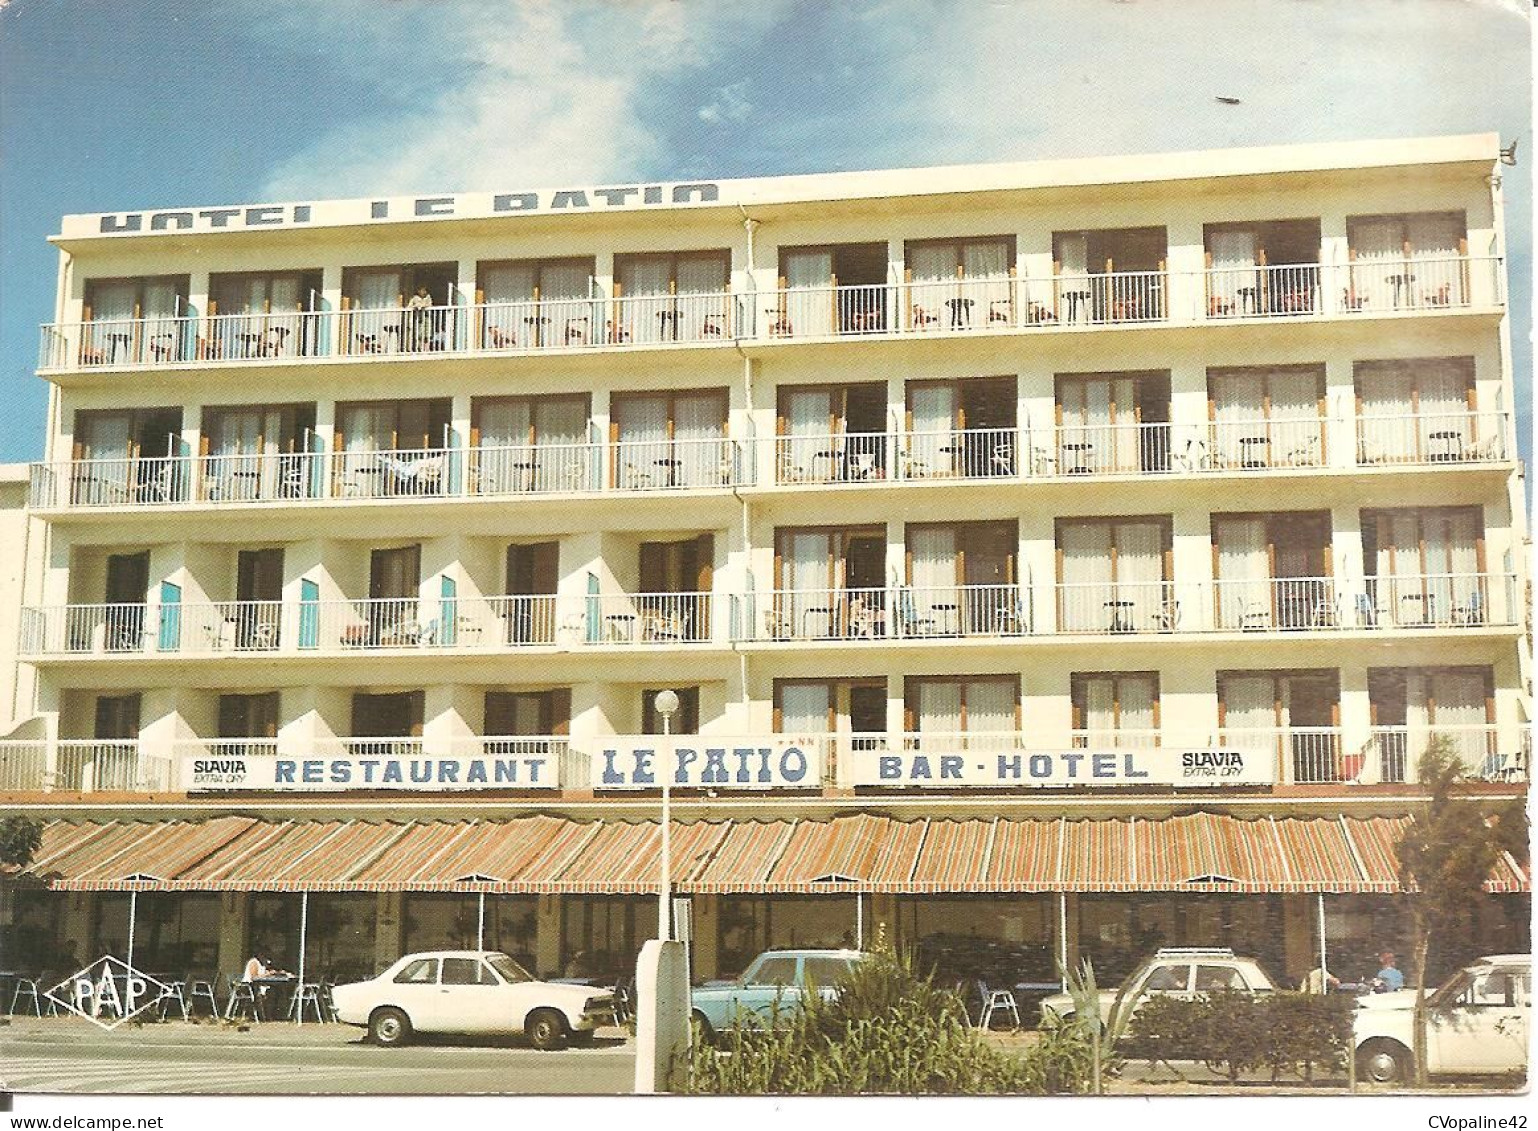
(904, 613)
(647, 618)
(1101, 449)
(1286, 603)
(969, 453)
(1114, 738)
(951, 306)
(1275, 441)
(1452, 437)
(1118, 607)
(1394, 752)
(650, 464)
(1304, 754)
(23, 764)
(110, 765)
(1265, 291)
(839, 457)
(1439, 600)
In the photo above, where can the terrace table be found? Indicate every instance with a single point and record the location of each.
(621, 627)
(1402, 283)
(1247, 446)
(961, 312)
(1119, 616)
(1081, 457)
(1449, 445)
(1077, 300)
(670, 468)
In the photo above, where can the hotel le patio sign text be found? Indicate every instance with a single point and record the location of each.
(337, 212)
(638, 763)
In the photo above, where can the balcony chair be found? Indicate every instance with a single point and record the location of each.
(908, 618)
(576, 330)
(779, 322)
(1255, 616)
(1442, 296)
(501, 339)
(861, 619)
(776, 626)
(922, 319)
(163, 346)
(1001, 460)
(1325, 612)
(1472, 611)
(913, 467)
(713, 326)
(1305, 454)
(1001, 310)
(1368, 615)
(861, 465)
(637, 476)
(618, 334)
(996, 1001)
(1166, 618)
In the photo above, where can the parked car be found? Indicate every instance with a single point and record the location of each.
(1476, 1023)
(472, 992)
(1176, 971)
(774, 984)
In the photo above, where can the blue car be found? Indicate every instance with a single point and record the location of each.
(774, 984)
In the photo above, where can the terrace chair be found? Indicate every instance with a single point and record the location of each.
(1368, 615)
(617, 333)
(996, 1001)
(923, 319)
(1472, 611)
(1305, 454)
(242, 998)
(908, 618)
(913, 467)
(637, 476)
(305, 994)
(1001, 460)
(26, 990)
(576, 330)
(779, 322)
(501, 339)
(862, 465)
(1255, 616)
(174, 993)
(1001, 310)
(200, 987)
(163, 346)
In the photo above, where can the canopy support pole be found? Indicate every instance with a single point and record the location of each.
(1324, 965)
(133, 914)
(1062, 939)
(304, 926)
(480, 922)
(859, 920)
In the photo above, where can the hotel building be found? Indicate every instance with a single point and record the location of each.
(1051, 559)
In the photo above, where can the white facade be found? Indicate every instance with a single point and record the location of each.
(1203, 452)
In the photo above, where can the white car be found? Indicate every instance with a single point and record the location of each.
(1476, 1024)
(1183, 972)
(472, 992)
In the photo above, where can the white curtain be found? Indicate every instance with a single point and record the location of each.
(1444, 409)
(1435, 236)
(1249, 707)
(1244, 569)
(113, 300)
(1435, 246)
(1239, 415)
(513, 282)
(376, 290)
(809, 307)
(1073, 288)
(1295, 425)
(643, 440)
(1100, 708)
(804, 708)
(509, 293)
(504, 446)
(932, 263)
(1232, 287)
(1137, 707)
(1378, 250)
(991, 713)
(809, 604)
(699, 440)
(934, 415)
(1452, 566)
(1086, 576)
(1387, 429)
(1417, 716)
(702, 274)
(939, 711)
(808, 413)
(1461, 715)
(558, 281)
(1140, 571)
(934, 575)
(647, 275)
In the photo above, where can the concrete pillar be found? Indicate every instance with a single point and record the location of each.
(705, 946)
(547, 936)
(234, 927)
(389, 929)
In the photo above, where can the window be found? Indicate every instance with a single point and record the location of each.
(958, 283)
(1426, 566)
(1114, 575)
(1109, 276)
(135, 321)
(675, 296)
(422, 971)
(823, 972)
(1295, 714)
(536, 303)
(1115, 708)
(778, 970)
(1422, 411)
(1262, 268)
(686, 720)
(962, 428)
(974, 713)
(828, 582)
(1410, 705)
(1209, 978)
(511, 716)
(962, 579)
(466, 972)
(671, 440)
(1409, 260)
(264, 315)
(1267, 417)
(249, 716)
(257, 451)
(129, 456)
(399, 308)
(392, 448)
(1168, 978)
(832, 289)
(1275, 571)
(531, 444)
(397, 715)
(676, 580)
(1110, 422)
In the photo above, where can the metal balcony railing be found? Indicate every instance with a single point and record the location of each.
(1279, 603)
(1265, 442)
(651, 464)
(835, 457)
(1116, 738)
(959, 453)
(1394, 752)
(1265, 291)
(101, 765)
(1117, 606)
(1101, 449)
(1431, 437)
(1304, 754)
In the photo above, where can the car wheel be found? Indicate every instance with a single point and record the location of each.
(389, 1027)
(546, 1029)
(703, 1033)
(1384, 1062)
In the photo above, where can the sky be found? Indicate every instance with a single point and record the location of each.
(113, 106)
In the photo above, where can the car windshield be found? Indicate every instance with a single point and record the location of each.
(509, 970)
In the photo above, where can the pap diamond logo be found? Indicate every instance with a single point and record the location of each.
(107, 992)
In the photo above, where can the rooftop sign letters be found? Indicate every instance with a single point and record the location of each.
(460, 205)
(379, 771)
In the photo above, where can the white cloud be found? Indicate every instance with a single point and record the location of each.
(531, 93)
(730, 105)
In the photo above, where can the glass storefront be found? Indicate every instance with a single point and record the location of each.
(450, 922)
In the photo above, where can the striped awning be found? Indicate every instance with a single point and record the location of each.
(1200, 851)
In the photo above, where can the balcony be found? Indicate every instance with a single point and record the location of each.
(1305, 754)
(1394, 752)
(100, 766)
(1047, 303)
(1120, 607)
(903, 613)
(1431, 438)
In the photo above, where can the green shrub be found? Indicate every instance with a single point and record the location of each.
(887, 1032)
(1236, 1033)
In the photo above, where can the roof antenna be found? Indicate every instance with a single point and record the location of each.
(1509, 154)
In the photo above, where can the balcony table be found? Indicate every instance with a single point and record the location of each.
(669, 466)
(1423, 609)
(1119, 616)
(1077, 301)
(1081, 457)
(536, 324)
(948, 618)
(620, 627)
(1402, 284)
(835, 458)
(526, 471)
(961, 312)
(1247, 446)
(1448, 445)
(1246, 299)
(823, 611)
(667, 324)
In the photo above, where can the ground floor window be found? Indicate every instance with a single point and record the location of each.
(1002, 940)
(450, 922)
(33, 940)
(601, 935)
(747, 925)
(1118, 931)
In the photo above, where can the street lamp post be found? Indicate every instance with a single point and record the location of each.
(666, 705)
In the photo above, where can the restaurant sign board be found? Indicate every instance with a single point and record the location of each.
(375, 771)
(1148, 766)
